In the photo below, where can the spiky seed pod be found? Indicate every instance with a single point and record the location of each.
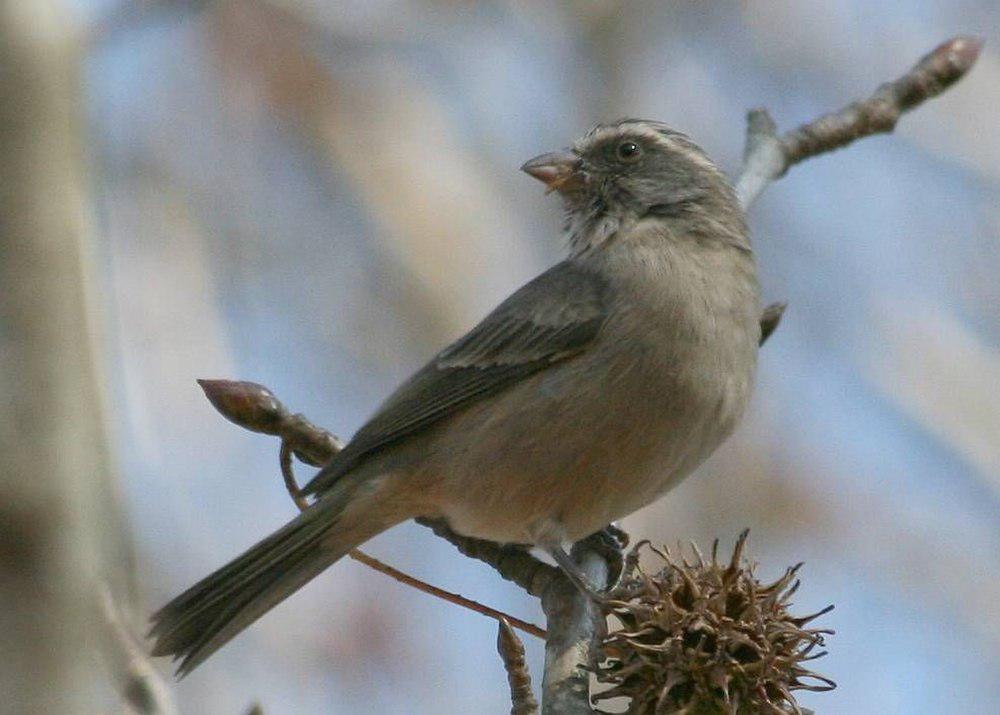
(703, 637)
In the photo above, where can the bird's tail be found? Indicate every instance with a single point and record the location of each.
(209, 614)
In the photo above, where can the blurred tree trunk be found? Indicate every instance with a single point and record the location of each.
(59, 527)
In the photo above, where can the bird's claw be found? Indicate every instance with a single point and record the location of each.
(609, 543)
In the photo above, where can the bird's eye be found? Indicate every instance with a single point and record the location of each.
(628, 151)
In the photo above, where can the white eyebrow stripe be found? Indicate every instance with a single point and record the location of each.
(655, 132)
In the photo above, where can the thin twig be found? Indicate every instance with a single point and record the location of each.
(285, 456)
(256, 408)
(455, 598)
(511, 650)
(769, 156)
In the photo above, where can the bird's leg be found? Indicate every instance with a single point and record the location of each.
(610, 542)
(574, 574)
(549, 536)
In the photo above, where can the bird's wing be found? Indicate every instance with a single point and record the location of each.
(550, 319)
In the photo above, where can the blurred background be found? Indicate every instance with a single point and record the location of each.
(317, 195)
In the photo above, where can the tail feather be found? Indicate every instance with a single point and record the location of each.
(193, 611)
(248, 606)
(209, 614)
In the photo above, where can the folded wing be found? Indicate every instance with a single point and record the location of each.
(551, 319)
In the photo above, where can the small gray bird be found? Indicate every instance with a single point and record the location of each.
(586, 395)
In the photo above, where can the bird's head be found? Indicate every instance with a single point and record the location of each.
(620, 174)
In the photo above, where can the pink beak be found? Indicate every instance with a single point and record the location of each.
(558, 170)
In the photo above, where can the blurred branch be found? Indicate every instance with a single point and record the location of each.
(942, 375)
(409, 192)
(141, 684)
(768, 156)
(127, 15)
(60, 527)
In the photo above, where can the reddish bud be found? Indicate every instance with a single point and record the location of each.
(246, 404)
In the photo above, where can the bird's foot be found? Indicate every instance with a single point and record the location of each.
(576, 575)
(608, 543)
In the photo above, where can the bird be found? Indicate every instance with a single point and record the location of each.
(586, 395)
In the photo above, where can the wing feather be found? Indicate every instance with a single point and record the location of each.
(552, 318)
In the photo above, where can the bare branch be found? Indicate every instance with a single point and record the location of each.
(448, 596)
(254, 407)
(126, 15)
(61, 525)
(575, 624)
(573, 620)
(511, 650)
(768, 156)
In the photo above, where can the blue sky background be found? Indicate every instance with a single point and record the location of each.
(318, 195)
